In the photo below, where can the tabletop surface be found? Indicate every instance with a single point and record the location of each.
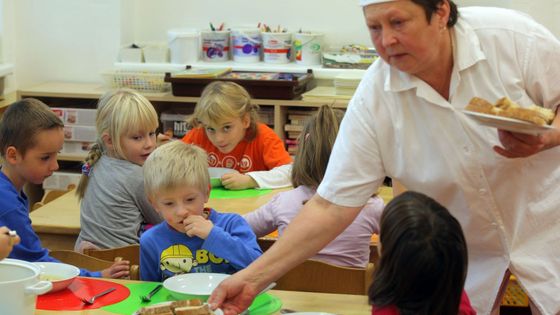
(299, 301)
(62, 215)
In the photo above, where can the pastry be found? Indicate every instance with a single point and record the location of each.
(507, 108)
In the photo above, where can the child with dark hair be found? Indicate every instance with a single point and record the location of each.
(31, 136)
(423, 262)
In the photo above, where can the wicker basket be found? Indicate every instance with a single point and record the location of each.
(515, 296)
(141, 81)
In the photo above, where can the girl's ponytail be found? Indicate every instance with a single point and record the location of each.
(93, 156)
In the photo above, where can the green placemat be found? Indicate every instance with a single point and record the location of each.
(222, 193)
(264, 304)
(133, 302)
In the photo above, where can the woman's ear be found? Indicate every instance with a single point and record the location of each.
(443, 11)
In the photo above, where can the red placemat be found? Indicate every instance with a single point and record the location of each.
(69, 298)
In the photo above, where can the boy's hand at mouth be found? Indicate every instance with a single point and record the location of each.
(197, 225)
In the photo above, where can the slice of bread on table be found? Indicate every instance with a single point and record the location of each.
(183, 307)
(507, 108)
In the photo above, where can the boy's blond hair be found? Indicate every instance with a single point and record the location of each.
(119, 113)
(22, 121)
(222, 100)
(176, 164)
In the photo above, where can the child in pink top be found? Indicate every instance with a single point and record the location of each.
(349, 249)
(423, 262)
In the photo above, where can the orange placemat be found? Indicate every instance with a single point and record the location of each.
(69, 298)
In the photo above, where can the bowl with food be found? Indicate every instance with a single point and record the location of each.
(59, 274)
(216, 174)
(193, 285)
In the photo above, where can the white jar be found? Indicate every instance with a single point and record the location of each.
(19, 287)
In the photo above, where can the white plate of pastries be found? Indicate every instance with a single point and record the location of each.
(507, 115)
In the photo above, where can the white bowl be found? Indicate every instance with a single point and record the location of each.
(61, 275)
(216, 174)
(193, 285)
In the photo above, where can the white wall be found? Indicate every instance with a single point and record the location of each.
(74, 40)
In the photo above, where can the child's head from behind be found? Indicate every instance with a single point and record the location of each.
(423, 261)
(314, 147)
(176, 181)
(227, 114)
(31, 135)
(126, 124)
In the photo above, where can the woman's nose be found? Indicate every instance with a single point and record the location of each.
(388, 37)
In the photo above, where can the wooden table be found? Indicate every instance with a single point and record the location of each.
(58, 222)
(300, 301)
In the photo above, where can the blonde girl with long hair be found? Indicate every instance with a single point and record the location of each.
(227, 127)
(114, 207)
(351, 248)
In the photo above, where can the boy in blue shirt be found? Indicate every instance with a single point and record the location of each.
(31, 136)
(192, 238)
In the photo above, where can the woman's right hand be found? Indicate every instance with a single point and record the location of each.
(7, 242)
(234, 295)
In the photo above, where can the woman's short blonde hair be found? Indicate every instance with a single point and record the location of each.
(223, 100)
(176, 164)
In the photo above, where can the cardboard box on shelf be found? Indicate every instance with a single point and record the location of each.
(79, 133)
(76, 116)
(61, 180)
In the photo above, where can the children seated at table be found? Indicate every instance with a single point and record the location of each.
(423, 262)
(31, 136)
(193, 238)
(114, 208)
(226, 125)
(352, 247)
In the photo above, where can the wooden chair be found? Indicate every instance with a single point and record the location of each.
(265, 242)
(318, 276)
(91, 263)
(51, 195)
(129, 252)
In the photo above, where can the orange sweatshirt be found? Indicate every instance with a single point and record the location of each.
(265, 152)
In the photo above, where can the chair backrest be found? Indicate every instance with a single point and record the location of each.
(129, 252)
(91, 263)
(318, 276)
(265, 243)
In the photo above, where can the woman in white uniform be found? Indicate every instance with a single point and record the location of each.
(406, 122)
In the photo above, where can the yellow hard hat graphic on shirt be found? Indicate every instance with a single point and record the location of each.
(177, 259)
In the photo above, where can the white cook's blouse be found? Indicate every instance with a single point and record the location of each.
(397, 125)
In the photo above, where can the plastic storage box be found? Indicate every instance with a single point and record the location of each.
(262, 85)
(76, 116)
(142, 81)
(61, 180)
(80, 133)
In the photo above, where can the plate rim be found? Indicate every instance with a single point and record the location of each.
(534, 127)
